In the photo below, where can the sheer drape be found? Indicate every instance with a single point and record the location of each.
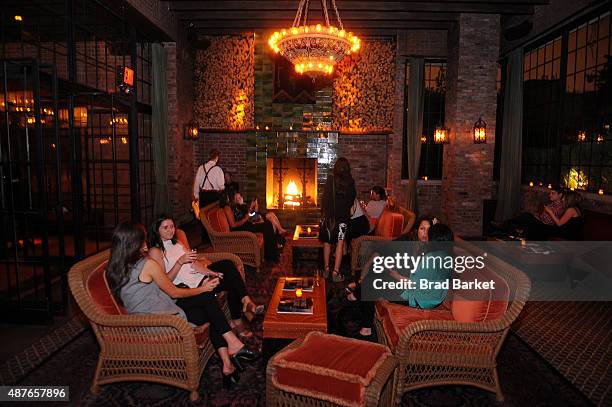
(159, 123)
(509, 194)
(414, 126)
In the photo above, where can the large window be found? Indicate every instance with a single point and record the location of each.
(568, 107)
(435, 79)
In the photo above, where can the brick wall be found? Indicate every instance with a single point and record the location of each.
(368, 157)
(423, 43)
(468, 167)
(180, 113)
(233, 157)
(428, 197)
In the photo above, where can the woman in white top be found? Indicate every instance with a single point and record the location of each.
(374, 208)
(184, 268)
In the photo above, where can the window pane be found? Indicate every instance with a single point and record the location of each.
(581, 37)
(604, 26)
(571, 62)
(556, 69)
(571, 45)
(602, 51)
(580, 57)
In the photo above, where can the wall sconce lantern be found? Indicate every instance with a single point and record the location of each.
(191, 132)
(581, 136)
(423, 139)
(480, 131)
(600, 138)
(441, 135)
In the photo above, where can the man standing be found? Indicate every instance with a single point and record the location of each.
(209, 181)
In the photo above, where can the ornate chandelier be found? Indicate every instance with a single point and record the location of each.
(314, 49)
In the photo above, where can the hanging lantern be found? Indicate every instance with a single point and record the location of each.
(480, 131)
(441, 135)
(191, 132)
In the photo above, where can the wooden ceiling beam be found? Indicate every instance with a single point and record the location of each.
(343, 4)
(287, 17)
(355, 25)
(265, 7)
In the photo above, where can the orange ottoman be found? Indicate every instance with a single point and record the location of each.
(329, 370)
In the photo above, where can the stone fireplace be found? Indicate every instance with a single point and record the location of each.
(291, 183)
(288, 171)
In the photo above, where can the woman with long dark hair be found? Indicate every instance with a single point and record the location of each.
(185, 269)
(338, 198)
(424, 298)
(142, 287)
(244, 217)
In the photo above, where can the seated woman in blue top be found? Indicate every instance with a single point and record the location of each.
(416, 297)
(142, 287)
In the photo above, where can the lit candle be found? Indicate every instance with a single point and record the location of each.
(531, 183)
(600, 192)
(298, 292)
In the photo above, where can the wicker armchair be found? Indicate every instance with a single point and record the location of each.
(438, 352)
(357, 255)
(156, 348)
(246, 245)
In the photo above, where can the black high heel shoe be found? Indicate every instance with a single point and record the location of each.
(244, 355)
(230, 379)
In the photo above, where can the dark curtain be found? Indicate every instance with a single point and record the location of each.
(414, 126)
(159, 121)
(509, 194)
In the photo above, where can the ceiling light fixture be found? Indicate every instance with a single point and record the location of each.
(314, 49)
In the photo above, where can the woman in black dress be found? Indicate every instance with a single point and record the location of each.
(338, 197)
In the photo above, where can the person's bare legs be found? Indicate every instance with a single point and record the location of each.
(233, 343)
(228, 367)
(278, 228)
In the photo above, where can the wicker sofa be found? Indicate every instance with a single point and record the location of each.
(457, 342)
(156, 348)
(246, 245)
(390, 225)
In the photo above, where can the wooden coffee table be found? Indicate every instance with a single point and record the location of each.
(280, 329)
(306, 249)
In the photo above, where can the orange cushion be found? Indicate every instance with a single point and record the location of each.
(480, 305)
(396, 317)
(99, 291)
(389, 225)
(218, 220)
(329, 367)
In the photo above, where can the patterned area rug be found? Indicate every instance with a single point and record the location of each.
(75, 363)
(576, 339)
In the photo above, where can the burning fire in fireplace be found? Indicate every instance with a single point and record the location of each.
(292, 196)
(291, 183)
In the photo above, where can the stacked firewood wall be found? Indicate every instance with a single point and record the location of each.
(224, 84)
(363, 89)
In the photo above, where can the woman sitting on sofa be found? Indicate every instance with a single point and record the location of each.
(244, 217)
(183, 268)
(439, 235)
(140, 284)
(569, 224)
